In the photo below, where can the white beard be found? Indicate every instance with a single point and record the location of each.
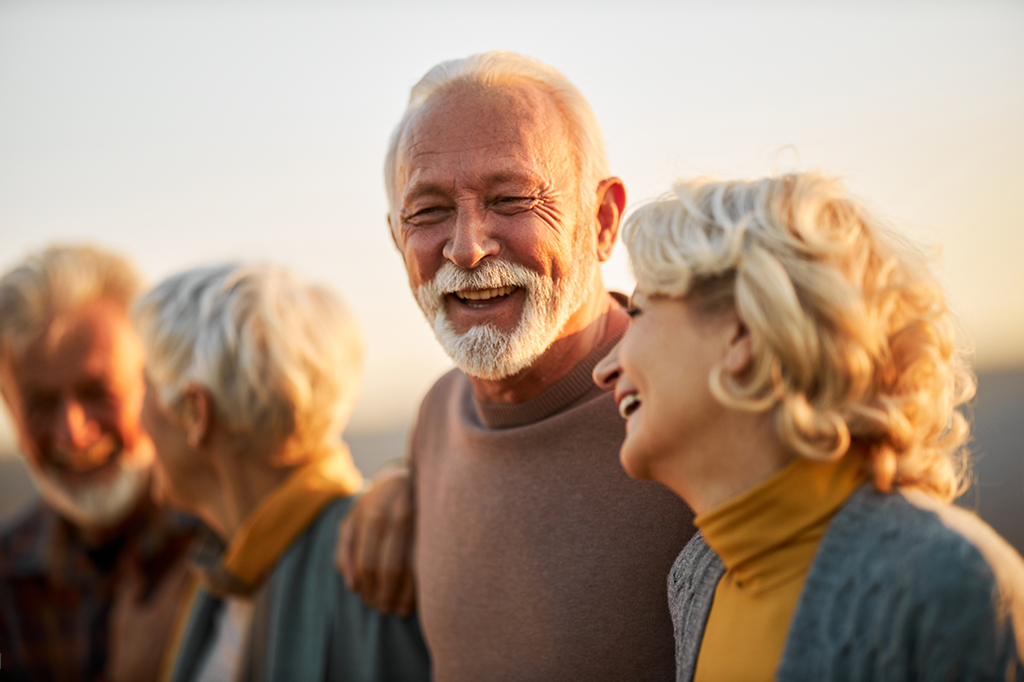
(101, 505)
(486, 352)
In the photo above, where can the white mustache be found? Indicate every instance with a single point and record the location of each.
(488, 275)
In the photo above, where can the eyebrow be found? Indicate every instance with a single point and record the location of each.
(420, 189)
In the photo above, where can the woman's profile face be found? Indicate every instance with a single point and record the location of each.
(174, 470)
(659, 373)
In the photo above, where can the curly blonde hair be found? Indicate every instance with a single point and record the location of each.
(854, 342)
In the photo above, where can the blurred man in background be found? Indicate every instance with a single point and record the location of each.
(91, 575)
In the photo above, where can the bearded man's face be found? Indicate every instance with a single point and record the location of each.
(489, 225)
(75, 394)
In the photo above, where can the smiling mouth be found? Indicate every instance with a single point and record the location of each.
(629, 405)
(89, 461)
(480, 297)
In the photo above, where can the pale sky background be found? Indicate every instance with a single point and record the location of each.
(191, 132)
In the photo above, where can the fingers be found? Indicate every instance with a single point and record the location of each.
(406, 602)
(345, 555)
(374, 551)
(367, 554)
(395, 563)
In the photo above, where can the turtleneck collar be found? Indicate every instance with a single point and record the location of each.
(770, 533)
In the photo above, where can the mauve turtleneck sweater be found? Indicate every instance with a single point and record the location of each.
(537, 557)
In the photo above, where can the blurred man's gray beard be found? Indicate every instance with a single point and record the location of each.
(101, 505)
(486, 352)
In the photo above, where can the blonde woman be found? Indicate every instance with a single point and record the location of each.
(251, 374)
(792, 373)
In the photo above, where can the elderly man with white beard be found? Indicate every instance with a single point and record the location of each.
(536, 557)
(92, 575)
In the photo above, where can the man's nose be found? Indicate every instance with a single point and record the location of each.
(471, 241)
(608, 371)
(74, 430)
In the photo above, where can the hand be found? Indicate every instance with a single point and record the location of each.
(142, 621)
(376, 542)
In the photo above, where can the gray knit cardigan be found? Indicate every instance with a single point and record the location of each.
(892, 594)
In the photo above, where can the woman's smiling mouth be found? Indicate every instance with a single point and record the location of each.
(628, 405)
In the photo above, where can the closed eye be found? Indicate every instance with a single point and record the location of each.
(428, 215)
(513, 205)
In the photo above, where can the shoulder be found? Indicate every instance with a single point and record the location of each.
(1004, 560)
(942, 544)
(438, 401)
(450, 382)
(319, 629)
(999, 556)
(322, 534)
(26, 520)
(365, 643)
(896, 588)
(24, 537)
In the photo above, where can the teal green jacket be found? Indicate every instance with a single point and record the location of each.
(307, 625)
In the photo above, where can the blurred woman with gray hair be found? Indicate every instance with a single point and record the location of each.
(792, 373)
(251, 375)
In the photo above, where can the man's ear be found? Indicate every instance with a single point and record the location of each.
(611, 202)
(197, 416)
(16, 418)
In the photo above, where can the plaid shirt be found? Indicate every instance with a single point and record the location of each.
(63, 604)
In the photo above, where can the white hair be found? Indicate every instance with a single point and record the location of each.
(854, 340)
(59, 281)
(279, 356)
(494, 69)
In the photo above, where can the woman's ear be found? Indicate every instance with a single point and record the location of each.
(739, 352)
(198, 415)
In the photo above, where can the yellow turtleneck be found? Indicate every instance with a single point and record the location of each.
(767, 538)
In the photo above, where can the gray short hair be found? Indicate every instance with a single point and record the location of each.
(58, 281)
(279, 356)
(501, 67)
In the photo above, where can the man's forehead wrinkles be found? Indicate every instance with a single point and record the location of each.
(425, 153)
(445, 137)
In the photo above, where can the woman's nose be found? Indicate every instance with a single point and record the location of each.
(608, 371)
